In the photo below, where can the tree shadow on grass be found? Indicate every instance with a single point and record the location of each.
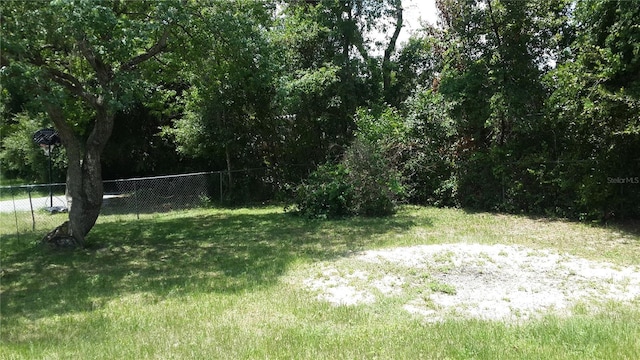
(628, 227)
(631, 227)
(220, 252)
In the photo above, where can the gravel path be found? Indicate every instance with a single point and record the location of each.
(491, 282)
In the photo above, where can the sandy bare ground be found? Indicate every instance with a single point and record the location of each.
(490, 282)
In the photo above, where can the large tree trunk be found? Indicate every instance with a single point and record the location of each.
(84, 176)
(390, 49)
(84, 184)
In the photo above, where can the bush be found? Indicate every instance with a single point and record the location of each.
(363, 183)
(367, 181)
(479, 185)
(326, 193)
(375, 183)
(429, 161)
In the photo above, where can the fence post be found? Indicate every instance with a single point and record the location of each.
(135, 198)
(15, 212)
(220, 177)
(33, 218)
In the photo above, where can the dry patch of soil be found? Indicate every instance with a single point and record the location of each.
(491, 282)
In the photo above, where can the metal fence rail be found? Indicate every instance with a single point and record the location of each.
(28, 208)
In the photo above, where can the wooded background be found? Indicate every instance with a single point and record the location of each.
(522, 106)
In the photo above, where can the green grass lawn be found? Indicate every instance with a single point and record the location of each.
(210, 284)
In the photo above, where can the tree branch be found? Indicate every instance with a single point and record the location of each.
(65, 131)
(72, 84)
(157, 48)
(67, 80)
(396, 33)
(103, 72)
(494, 25)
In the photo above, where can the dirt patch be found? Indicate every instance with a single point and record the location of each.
(492, 282)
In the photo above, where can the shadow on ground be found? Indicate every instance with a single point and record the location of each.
(224, 252)
(627, 227)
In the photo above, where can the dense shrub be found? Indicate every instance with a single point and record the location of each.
(428, 161)
(375, 184)
(479, 185)
(366, 181)
(325, 194)
(363, 183)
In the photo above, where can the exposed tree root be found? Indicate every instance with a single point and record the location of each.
(60, 238)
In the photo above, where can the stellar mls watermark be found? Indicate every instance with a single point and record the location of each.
(623, 180)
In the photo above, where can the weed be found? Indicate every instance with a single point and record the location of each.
(440, 287)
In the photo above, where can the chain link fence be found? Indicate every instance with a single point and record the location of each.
(28, 208)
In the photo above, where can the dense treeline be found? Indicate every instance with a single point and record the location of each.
(524, 106)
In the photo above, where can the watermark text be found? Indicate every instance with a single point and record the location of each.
(623, 180)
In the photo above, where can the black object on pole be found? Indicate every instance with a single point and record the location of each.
(47, 139)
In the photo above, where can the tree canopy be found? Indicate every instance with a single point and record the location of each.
(84, 61)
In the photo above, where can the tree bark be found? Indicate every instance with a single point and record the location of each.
(391, 47)
(84, 172)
